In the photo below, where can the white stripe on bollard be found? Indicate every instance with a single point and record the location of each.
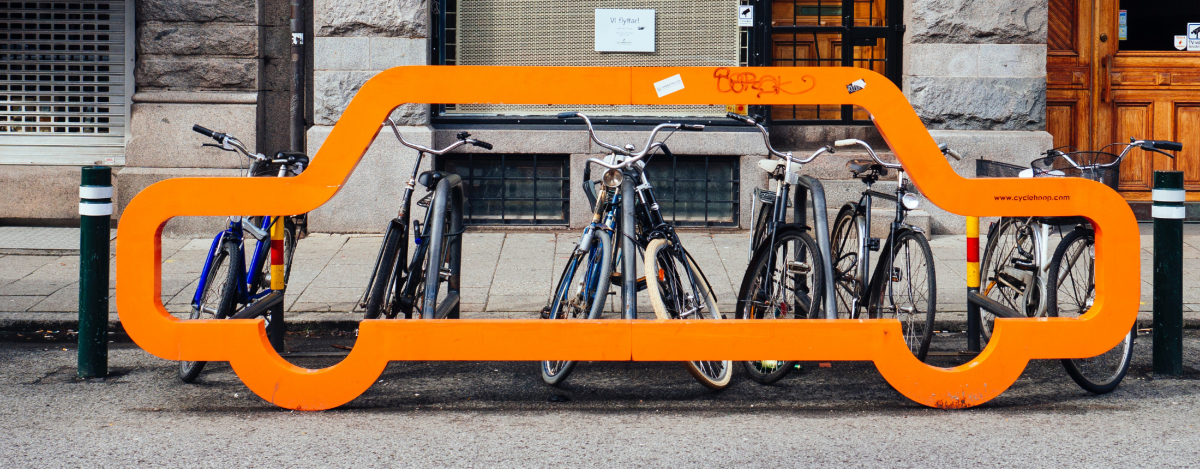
(95, 210)
(1175, 213)
(1169, 195)
(95, 192)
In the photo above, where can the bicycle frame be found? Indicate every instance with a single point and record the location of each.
(250, 273)
(873, 282)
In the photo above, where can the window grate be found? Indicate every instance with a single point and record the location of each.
(62, 74)
(833, 33)
(696, 190)
(513, 189)
(557, 33)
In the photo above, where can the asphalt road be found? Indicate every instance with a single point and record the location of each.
(499, 414)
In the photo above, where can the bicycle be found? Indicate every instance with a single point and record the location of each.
(228, 287)
(903, 284)
(788, 277)
(1016, 269)
(399, 285)
(676, 286)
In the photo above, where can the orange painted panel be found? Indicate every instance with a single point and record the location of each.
(243, 342)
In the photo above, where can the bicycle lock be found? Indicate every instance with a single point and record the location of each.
(1168, 212)
(95, 213)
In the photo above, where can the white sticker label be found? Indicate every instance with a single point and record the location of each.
(669, 85)
(1181, 42)
(745, 16)
(1193, 35)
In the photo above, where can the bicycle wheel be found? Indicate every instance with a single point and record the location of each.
(1074, 291)
(581, 294)
(906, 289)
(382, 283)
(1008, 270)
(217, 298)
(783, 281)
(849, 234)
(678, 290)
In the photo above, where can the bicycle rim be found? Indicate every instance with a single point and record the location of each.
(846, 246)
(1073, 269)
(574, 298)
(1000, 279)
(783, 281)
(677, 291)
(910, 294)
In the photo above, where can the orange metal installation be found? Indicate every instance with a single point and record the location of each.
(244, 344)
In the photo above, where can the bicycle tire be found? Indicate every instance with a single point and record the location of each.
(669, 299)
(802, 306)
(224, 277)
(1000, 279)
(917, 323)
(598, 272)
(849, 234)
(1080, 287)
(446, 247)
(382, 282)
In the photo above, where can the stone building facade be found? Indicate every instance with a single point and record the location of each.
(975, 71)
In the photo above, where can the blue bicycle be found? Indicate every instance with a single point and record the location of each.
(231, 287)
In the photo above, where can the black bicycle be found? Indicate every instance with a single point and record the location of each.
(411, 287)
(625, 209)
(788, 276)
(903, 285)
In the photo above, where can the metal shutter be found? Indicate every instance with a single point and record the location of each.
(63, 82)
(540, 32)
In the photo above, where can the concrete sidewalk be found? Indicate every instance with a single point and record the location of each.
(505, 275)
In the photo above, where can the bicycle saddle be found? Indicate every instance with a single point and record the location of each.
(293, 157)
(859, 167)
(429, 179)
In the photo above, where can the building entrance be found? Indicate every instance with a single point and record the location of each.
(1114, 72)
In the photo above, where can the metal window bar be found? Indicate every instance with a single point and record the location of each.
(493, 184)
(717, 193)
(845, 33)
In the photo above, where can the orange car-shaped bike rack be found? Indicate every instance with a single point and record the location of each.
(243, 343)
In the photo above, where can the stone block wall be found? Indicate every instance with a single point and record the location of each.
(975, 71)
(353, 41)
(222, 64)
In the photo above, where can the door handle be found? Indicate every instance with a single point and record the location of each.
(1106, 64)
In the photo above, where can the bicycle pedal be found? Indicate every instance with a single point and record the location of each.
(797, 267)
(873, 244)
(896, 275)
(545, 312)
(1024, 264)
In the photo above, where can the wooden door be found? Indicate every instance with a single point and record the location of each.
(1102, 89)
(1070, 73)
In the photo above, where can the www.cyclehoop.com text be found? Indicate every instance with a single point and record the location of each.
(1032, 198)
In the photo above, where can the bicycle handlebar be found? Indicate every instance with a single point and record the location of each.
(462, 140)
(1164, 145)
(227, 142)
(632, 157)
(757, 122)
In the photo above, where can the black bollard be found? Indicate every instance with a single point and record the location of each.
(95, 212)
(1168, 212)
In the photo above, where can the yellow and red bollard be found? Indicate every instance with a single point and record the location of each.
(276, 329)
(973, 318)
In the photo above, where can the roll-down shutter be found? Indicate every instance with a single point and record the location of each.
(63, 82)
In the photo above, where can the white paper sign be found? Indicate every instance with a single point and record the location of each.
(745, 16)
(624, 30)
(1193, 35)
(668, 85)
(1181, 42)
